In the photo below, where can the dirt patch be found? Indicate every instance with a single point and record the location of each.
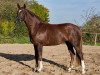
(18, 59)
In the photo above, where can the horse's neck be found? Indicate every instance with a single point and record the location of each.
(31, 22)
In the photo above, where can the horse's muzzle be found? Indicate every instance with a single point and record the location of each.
(18, 20)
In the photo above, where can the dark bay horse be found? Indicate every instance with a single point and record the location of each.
(45, 34)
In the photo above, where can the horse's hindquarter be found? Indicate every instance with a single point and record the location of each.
(74, 34)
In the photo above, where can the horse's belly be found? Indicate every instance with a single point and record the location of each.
(51, 41)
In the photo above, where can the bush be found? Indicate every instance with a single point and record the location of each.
(7, 28)
(6, 31)
(89, 38)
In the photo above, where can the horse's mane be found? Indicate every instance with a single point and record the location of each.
(33, 14)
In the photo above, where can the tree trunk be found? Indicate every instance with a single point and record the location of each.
(95, 38)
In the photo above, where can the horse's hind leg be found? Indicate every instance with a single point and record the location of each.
(72, 53)
(79, 56)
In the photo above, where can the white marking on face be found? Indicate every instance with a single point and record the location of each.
(83, 66)
(20, 11)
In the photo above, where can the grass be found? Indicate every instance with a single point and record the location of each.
(21, 40)
(92, 44)
(12, 40)
(98, 44)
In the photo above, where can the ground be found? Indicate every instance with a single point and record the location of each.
(18, 59)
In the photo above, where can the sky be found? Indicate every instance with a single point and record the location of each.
(69, 11)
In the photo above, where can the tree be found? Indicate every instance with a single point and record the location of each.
(92, 25)
(39, 10)
(8, 9)
(92, 29)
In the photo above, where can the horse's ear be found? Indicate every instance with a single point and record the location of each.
(18, 5)
(24, 6)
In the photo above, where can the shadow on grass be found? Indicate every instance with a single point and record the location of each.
(27, 57)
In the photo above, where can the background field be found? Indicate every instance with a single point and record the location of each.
(18, 59)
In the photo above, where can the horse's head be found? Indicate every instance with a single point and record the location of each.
(21, 12)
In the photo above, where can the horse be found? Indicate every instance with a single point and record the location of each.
(45, 34)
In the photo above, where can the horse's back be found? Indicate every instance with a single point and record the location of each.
(62, 25)
(66, 28)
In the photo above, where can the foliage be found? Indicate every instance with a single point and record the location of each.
(89, 38)
(21, 30)
(91, 29)
(92, 25)
(8, 9)
(39, 10)
(21, 39)
(7, 27)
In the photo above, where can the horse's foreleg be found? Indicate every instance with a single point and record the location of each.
(39, 58)
(71, 51)
(36, 57)
(40, 67)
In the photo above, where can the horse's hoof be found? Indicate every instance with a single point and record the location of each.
(83, 72)
(69, 69)
(38, 70)
(35, 70)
